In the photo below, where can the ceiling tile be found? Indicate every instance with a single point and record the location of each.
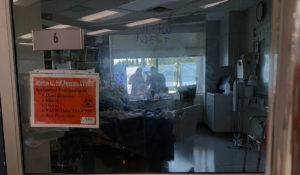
(104, 4)
(78, 11)
(55, 6)
(140, 5)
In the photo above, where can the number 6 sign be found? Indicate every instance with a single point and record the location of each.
(58, 39)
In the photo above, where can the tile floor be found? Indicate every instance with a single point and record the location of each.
(202, 152)
(207, 152)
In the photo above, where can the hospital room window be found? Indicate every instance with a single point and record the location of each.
(152, 86)
(178, 71)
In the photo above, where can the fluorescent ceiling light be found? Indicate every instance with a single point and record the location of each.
(97, 32)
(141, 22)
(98, 15)
(26, 36)
(25, 44)
(59, 26)
(213, 4)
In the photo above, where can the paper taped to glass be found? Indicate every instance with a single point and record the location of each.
(64, 99)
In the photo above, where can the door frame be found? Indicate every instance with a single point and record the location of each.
(9, 95)
(8, 92)
(2, 150)
(283, 154)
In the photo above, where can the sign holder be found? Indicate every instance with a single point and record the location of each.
(58, 39)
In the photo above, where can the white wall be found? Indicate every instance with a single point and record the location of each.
(233, 36)
(26, 19)
(263, 31)
(224, 40)
(159, 40)
(213, 71)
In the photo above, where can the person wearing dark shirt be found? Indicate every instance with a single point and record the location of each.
(156, 80)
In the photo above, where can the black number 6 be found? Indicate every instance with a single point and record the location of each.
(55, 38)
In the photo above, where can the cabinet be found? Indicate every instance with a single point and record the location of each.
(219, 115)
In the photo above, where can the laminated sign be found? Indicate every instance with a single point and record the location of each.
(64, 99)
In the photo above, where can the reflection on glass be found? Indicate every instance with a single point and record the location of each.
(170, 99)
(266, 69)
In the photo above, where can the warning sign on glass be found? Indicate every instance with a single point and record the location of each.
(64, 99)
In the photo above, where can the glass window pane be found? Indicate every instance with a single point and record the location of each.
(183, 85)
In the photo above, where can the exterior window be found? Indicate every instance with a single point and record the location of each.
(178, 71)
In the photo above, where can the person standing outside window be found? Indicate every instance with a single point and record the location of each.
(136, 80)
(156, 80)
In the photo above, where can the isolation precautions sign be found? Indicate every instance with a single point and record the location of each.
(64, 100)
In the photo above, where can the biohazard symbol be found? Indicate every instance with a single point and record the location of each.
(88, 102)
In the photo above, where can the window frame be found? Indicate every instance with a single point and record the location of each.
(178, 83)
(9, 94)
